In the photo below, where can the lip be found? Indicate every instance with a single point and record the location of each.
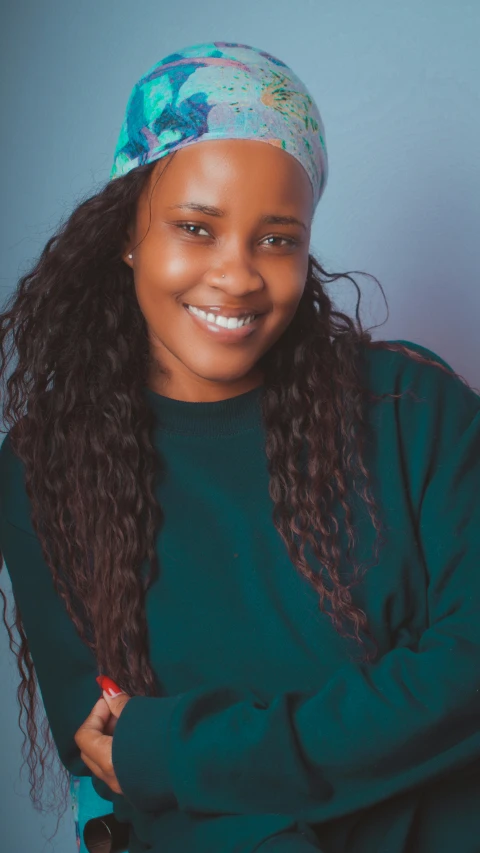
(221, 334)
(225, 310)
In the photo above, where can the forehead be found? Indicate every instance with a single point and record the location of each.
(246, 167)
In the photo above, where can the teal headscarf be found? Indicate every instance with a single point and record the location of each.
(221, 90)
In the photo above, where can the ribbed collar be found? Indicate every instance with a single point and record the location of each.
(224, 417)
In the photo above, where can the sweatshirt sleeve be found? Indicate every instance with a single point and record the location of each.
(371, 732)
(64, 665)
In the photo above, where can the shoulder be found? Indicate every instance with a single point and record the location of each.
(432, 406)
(11, 466)
(390, 363)
(387, 371)
(15, 504)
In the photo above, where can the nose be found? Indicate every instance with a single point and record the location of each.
(237, 285)
(238, 277)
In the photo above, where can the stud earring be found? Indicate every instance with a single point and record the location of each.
(130, 255)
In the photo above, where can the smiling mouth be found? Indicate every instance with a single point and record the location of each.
(224, 329)
(222, 320)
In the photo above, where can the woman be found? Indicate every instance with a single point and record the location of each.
(264, 530)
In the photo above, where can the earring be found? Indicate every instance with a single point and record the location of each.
(130, 255)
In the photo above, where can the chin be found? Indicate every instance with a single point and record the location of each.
(224, 378)
(221, 375)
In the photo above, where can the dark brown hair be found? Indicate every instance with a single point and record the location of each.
(86, 441)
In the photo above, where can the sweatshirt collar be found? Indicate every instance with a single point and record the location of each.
(223, 417)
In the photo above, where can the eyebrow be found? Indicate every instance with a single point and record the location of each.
(268, 218)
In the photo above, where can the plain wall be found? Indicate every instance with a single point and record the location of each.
(398, 87)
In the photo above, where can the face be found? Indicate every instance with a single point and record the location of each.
(202, 239)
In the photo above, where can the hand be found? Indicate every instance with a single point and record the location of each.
(115, 698)
(94, 738)
(96, 746)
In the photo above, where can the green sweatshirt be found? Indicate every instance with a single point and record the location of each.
(272, 734)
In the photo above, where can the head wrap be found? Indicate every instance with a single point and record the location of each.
(221, 90)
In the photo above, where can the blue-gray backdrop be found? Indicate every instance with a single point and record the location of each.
(398, 86)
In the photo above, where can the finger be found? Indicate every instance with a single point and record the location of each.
(109, 779)
(93, 766)
(95, 722)
(110, 727)
(91, 740)
(106, 683)
(98, 716)
(117, 703)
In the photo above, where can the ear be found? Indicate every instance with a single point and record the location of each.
(128, 247)
(126, 256)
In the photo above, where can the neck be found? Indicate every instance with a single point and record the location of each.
(201, 391)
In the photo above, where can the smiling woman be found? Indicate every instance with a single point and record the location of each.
(218, 491)
(229, 264)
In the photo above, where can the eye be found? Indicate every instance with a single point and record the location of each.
(286, 240)
(189, 225)
(185, 225)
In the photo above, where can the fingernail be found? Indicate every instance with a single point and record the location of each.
(110, 694)
(108, 686)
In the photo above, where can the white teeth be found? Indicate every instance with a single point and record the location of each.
(225, 322)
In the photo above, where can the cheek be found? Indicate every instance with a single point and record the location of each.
(287, 296)
(174, 267)
(284, 304)
(160, 276)
(164, 261)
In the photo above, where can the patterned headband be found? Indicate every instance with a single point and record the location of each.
(221, 90)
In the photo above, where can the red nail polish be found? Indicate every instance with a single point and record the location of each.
(107, 684)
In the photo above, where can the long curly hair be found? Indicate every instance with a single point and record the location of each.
(79, 421)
